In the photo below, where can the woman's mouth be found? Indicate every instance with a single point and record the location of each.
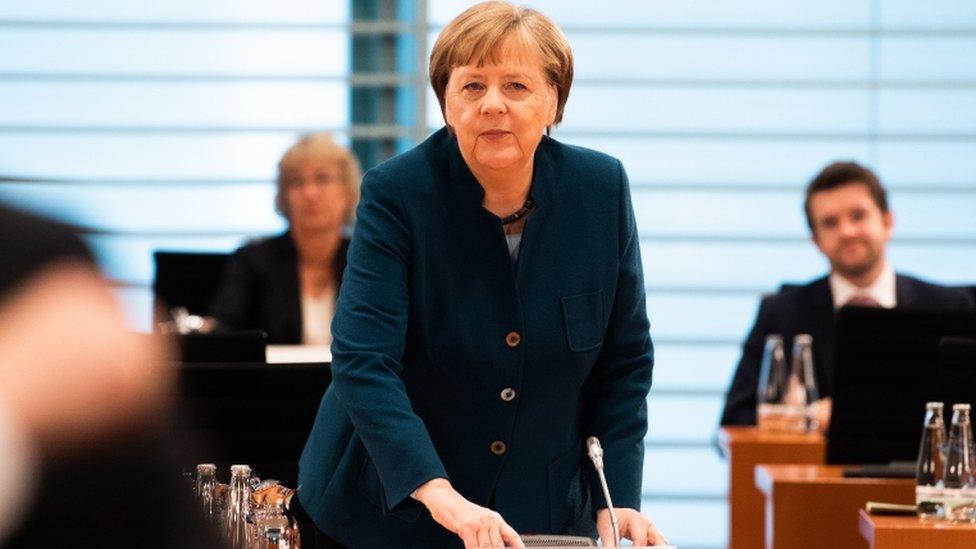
(494, 134)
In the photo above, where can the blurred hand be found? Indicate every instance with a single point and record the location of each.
(69, 368)
(633, 526)
(476, 526)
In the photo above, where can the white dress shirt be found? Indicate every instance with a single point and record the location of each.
(317, 316)
(882, 290)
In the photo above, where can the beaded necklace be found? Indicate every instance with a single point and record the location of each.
(529, 204)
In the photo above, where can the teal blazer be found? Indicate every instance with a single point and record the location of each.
(451, 360)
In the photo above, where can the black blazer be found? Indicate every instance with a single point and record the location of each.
(260, 290)
(809, 309)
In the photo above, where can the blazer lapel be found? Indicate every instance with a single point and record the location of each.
(290, 295)
(543, 179)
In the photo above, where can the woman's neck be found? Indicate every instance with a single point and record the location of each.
(505, 191)
(316, 247)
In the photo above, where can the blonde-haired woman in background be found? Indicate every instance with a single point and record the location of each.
(287, 285)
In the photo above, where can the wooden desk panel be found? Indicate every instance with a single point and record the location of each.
(814, 506)
(744, 448)
(891, 532)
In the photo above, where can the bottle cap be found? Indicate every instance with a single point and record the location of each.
(206, 468)
(240, 470)
(934, 406)
(803, 338)
(961, 407)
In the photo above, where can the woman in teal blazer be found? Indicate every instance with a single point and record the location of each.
(491, 318)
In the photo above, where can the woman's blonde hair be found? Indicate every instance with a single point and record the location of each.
(477, 34)
(321, 146)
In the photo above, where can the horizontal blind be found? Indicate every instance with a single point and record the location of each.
(159, 126)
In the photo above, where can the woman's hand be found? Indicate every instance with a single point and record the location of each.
(475, 525)
(633, 526)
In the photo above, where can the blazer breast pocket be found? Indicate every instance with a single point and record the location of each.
(584, 320)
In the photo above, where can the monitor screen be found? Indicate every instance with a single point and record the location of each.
(886, 369)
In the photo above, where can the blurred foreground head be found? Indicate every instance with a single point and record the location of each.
(70, 371)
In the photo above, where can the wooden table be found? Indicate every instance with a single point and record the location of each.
(815, 506)
(889, 532)
(746, 447)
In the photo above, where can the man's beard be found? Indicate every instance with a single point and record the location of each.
(862, 267)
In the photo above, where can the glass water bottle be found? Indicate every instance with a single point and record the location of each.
(772, 414)
(959, 482)
(931, 464)
(238, 507)
(206, 480)
(803, 393)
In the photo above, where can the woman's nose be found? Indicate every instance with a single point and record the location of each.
(493, 102)
(311, 188)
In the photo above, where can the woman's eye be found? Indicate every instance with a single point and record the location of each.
(517, 86)
(473, 86)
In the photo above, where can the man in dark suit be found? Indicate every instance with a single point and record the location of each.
(847, 211)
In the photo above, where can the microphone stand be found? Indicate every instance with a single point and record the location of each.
(595, 452)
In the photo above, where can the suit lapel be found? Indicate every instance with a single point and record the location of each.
(904, 296)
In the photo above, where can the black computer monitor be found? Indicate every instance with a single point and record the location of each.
(230, 346)
(187, 279)
(957, 372)
(886, 369)
(249, 413)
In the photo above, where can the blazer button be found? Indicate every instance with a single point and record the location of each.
(508, 394)
(513, 339)
(498, 447)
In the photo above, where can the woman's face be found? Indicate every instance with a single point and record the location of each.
(317, 196)
(500, 112)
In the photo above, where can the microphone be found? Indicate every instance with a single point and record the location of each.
(595, 451)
